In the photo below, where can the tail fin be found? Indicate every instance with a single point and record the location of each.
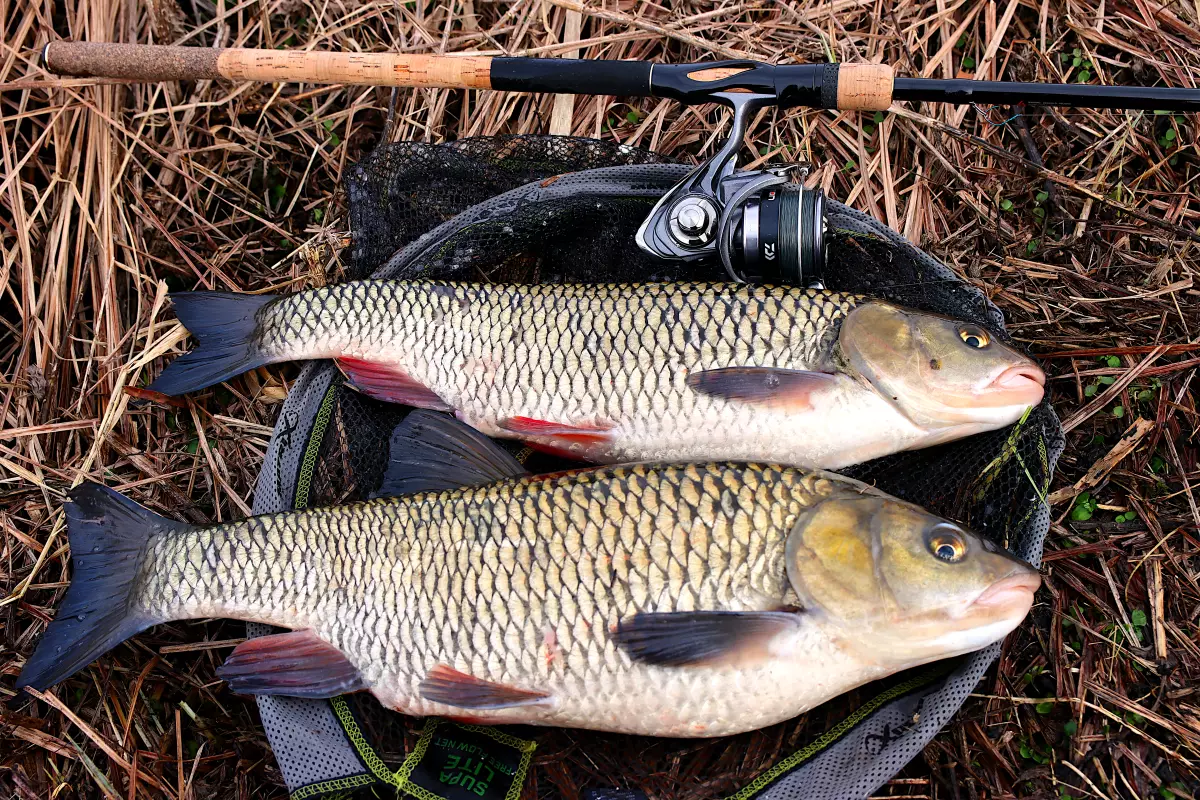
(225, 324)
(108, 536)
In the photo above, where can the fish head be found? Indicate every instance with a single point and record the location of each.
(950, 377)
(901, 586)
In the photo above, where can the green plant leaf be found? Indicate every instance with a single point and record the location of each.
(1138, 618)
(1044, 708)
(1070, 727)
(1169, 135)
(1085, 76)
(1113, 361)
(1039, 212)
(1118, 411)
(1106, 380)
(1084, 507)
(1041, 197)
(968, 63)
(1006, 204)
(1090, 390)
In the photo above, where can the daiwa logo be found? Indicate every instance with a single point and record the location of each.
(769, 251)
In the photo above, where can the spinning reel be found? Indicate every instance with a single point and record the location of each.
(764, 228)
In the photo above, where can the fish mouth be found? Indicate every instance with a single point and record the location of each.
(1024, 384)
(1014, 591)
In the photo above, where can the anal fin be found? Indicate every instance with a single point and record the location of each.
(389, 382)
(293, 664)
(572, 440)
(450, 687)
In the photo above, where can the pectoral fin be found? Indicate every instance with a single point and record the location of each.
(446, 685)
(293, 664)
(701, 638)
(788, 388)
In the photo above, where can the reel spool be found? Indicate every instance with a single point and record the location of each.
(763, 228)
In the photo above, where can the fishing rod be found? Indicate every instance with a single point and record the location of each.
(762, 226)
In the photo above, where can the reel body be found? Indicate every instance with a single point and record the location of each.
(763, 228)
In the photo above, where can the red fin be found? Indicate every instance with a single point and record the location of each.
(390, 383)
(453, 688)
(563, 451)
(788, 388)
(294, 664)
(596, 433)
(589, 442)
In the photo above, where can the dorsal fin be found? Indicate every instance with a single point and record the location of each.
(432, 452)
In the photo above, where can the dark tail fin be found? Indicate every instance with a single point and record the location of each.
(225, 325)
(108, 536)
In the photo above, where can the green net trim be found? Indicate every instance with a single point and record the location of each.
(800, 756)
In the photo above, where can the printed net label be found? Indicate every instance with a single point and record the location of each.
(455, 761)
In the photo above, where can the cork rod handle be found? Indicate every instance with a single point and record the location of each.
(169, 63)
(864, 87)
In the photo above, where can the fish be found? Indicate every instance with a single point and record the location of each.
(624, 373)
(677, 600)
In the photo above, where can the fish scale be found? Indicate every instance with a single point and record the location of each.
(516, 583)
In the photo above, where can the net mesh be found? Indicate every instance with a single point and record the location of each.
(506, 209)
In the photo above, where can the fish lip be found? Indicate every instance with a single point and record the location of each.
(1018, 585)
(1020, 380)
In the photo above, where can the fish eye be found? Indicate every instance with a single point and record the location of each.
(974, 337)
(947, 543)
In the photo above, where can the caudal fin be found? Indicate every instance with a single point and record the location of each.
(225, 324)
(108, 535)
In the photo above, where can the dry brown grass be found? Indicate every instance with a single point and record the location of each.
(110, 194)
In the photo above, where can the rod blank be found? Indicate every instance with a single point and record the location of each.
(1082, 95)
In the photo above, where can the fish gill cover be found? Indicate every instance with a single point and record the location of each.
(515, 209)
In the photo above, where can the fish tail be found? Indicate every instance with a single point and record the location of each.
(226, 325)
(109, 536)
